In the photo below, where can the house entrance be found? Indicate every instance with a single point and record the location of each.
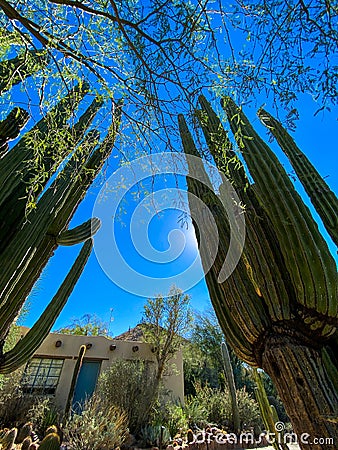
(86, 382)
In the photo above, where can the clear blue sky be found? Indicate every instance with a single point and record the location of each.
(95, 293)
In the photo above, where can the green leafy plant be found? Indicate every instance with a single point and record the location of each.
(131, 387)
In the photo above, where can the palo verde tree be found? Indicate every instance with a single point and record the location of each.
(87, 325)
(278, 308)
(157, 53)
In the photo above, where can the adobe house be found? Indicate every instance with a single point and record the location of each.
(51, 369)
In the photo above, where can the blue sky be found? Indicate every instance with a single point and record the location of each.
(95, 293)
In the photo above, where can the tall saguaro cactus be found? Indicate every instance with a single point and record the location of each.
(29, 240)
(278, 309)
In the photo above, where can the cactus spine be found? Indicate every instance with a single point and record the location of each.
(278, 309)
(29, 239)
(232, 387)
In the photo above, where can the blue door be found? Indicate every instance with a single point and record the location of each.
(86, 383)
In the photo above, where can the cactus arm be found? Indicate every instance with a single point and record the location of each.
(220, 146)
(28, 345)
(268, 279)
(232, 387)
(54, 212)
(14, 165)
(234, 293)
(323, 199)
(305, 251)
(75, 376)
(80, 233)
(11, 126)
(14, 71)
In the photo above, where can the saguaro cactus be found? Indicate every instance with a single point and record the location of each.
(278, 309)
(75, 377)
(29, 239)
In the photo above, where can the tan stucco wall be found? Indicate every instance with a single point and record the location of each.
(101, 351)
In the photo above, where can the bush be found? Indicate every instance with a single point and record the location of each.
(170, 415)
(130, 386)
(213, 406)
(43, 413)
(101, 426)
(14, 404)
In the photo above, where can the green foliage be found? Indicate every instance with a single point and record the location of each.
(14, 404)
(165, 322)
(131, 387)
(87, 325)
(170, 415)
(203, 360)
(100, 426)
(43, 413)
(213, 406)
(155, 436)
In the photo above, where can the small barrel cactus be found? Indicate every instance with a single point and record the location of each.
(7, 441)
(50, 442)
(51, 429)
(24, 432)
(26, 443)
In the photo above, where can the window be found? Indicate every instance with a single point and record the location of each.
(42, 376)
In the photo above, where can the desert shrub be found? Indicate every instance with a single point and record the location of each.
(154, 436)
(14, 404)
(130, 386)
(170, 415)
(196, 412)
(43, 413)
(216, 405)
(101, 426)
(248, 409)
